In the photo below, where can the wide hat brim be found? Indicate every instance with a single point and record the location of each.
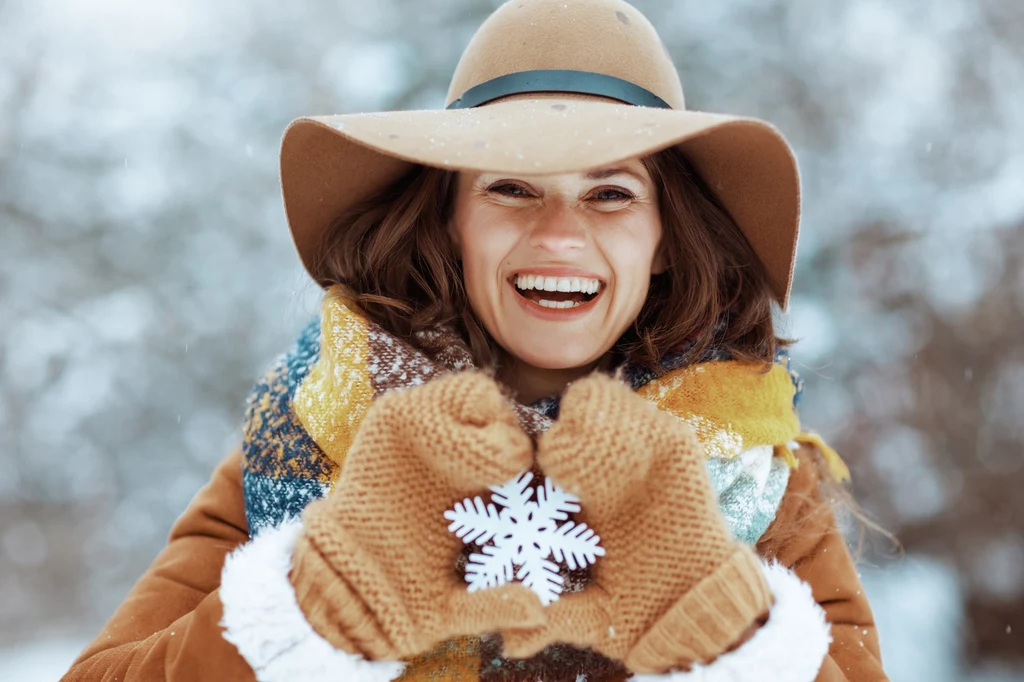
(331, 163)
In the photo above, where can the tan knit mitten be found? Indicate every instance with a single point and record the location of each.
(673, 588)
(374, 564)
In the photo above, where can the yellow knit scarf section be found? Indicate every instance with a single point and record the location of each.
(732, 406)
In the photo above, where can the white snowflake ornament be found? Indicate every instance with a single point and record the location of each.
(521, 540)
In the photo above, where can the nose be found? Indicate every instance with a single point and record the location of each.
(558, 230)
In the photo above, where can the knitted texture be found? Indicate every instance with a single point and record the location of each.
(708, 618)
(305, 414)
(640, 476)
(373, 567)
(729, 410)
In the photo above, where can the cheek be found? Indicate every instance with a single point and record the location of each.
(632, 253)
(483, 246)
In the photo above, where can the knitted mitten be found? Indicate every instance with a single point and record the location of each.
(673, 588)
(374, 564)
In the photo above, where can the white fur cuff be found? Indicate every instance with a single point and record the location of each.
(790, 647)
(263, 619)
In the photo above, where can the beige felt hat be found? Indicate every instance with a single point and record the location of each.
(549, 86)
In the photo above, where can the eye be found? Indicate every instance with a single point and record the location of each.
(510, 189)
(607, 194)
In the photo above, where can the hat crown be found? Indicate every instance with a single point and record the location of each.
(608, 37)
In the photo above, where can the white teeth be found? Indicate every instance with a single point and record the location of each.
(558, 304)
(585, 285)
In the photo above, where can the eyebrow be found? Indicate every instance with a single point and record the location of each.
(604, 173)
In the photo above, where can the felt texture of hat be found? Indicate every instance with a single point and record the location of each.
(329, 164)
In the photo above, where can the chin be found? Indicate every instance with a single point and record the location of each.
(563, 358)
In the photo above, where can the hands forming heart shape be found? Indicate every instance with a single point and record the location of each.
(373, 566)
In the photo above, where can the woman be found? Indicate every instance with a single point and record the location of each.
(558, 289)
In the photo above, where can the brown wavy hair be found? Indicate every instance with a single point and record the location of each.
(395, 253)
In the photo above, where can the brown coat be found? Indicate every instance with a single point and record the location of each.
(168, 626)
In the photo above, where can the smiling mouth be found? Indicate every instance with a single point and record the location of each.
(557, 292)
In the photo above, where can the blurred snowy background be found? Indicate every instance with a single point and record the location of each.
(146, 273)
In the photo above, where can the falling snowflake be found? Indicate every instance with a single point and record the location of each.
(522, 540)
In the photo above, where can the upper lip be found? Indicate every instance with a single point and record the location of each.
(556, 271)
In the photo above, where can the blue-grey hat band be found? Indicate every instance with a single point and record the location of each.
(558, 80)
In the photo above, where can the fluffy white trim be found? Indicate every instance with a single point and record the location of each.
(263, 619)
(790, 647)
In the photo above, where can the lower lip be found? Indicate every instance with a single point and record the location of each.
(556, 314)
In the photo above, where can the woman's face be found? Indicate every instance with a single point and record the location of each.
(557, 267)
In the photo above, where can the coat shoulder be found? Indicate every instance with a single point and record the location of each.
(805, 515)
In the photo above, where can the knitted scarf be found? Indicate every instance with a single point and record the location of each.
(303, 415)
